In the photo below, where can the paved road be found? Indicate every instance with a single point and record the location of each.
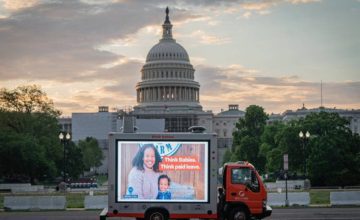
(278, 214)
(316, 214)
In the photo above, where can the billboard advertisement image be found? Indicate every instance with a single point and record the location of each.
(162, 171)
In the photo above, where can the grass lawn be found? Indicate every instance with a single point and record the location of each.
(75, 200)
(320, 197)
(101, 179)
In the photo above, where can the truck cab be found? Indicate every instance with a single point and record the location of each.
(243, 194)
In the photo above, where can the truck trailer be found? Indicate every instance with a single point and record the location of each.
(160, 176)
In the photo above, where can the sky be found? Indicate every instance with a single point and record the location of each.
(272, 53)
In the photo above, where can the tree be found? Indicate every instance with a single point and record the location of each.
(27, 99)
(333, 151)
(274, 160)
(227, 156)
(74, 161)
(269, 147)
(248, 149)
(92, 154)
(246, 139)
(289, 143)
(29, 146)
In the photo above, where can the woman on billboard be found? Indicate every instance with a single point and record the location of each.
(143, 177)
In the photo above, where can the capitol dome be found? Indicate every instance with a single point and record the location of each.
(167, 77)
(168, 88)
(167, 50)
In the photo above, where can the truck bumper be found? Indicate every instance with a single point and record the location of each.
(267, 211)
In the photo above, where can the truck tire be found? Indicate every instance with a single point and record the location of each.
(156, 215)
(238, 214)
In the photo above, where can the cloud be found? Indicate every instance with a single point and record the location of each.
(59, 41)
(62, 46)
(205, 38)
(261, 5)
(302, 1)
(246, 14)
(62, 41)
(236, 84)
(15, 5)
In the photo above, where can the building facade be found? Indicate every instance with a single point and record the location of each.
(352, 115)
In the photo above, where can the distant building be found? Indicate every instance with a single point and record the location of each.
(99, 124)
(352, 115)
(224, 124)
(65, 124)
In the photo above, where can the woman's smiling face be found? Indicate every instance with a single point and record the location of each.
(149, 158)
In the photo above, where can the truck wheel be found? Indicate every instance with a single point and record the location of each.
(157, 215)
(238, 214)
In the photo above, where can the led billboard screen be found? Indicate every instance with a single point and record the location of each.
(162, 171)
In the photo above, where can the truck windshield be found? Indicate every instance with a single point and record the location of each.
(240, 175)
(246, 177)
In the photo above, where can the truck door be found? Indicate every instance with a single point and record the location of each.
(244, 187)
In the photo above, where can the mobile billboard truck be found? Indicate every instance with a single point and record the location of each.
(157, 176)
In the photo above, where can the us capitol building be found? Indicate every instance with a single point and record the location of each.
(167, 89)
(168, 100)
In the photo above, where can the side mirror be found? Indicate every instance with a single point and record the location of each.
(220, 190)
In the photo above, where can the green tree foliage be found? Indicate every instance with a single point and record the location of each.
(92, 154)
(331, 154)
(274, 160)
(227, 156)
(333, 151)
(247, 137)
(290, 143)
(269, 147)
(74, 161)
(29, 146)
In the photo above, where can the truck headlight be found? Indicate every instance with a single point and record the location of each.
(264, 202)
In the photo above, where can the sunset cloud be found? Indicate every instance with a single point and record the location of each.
(14, 5)
(205, 38)
(276, 94)
(89, 53)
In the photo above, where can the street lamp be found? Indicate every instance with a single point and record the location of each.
(65, 140)
(304, 138)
